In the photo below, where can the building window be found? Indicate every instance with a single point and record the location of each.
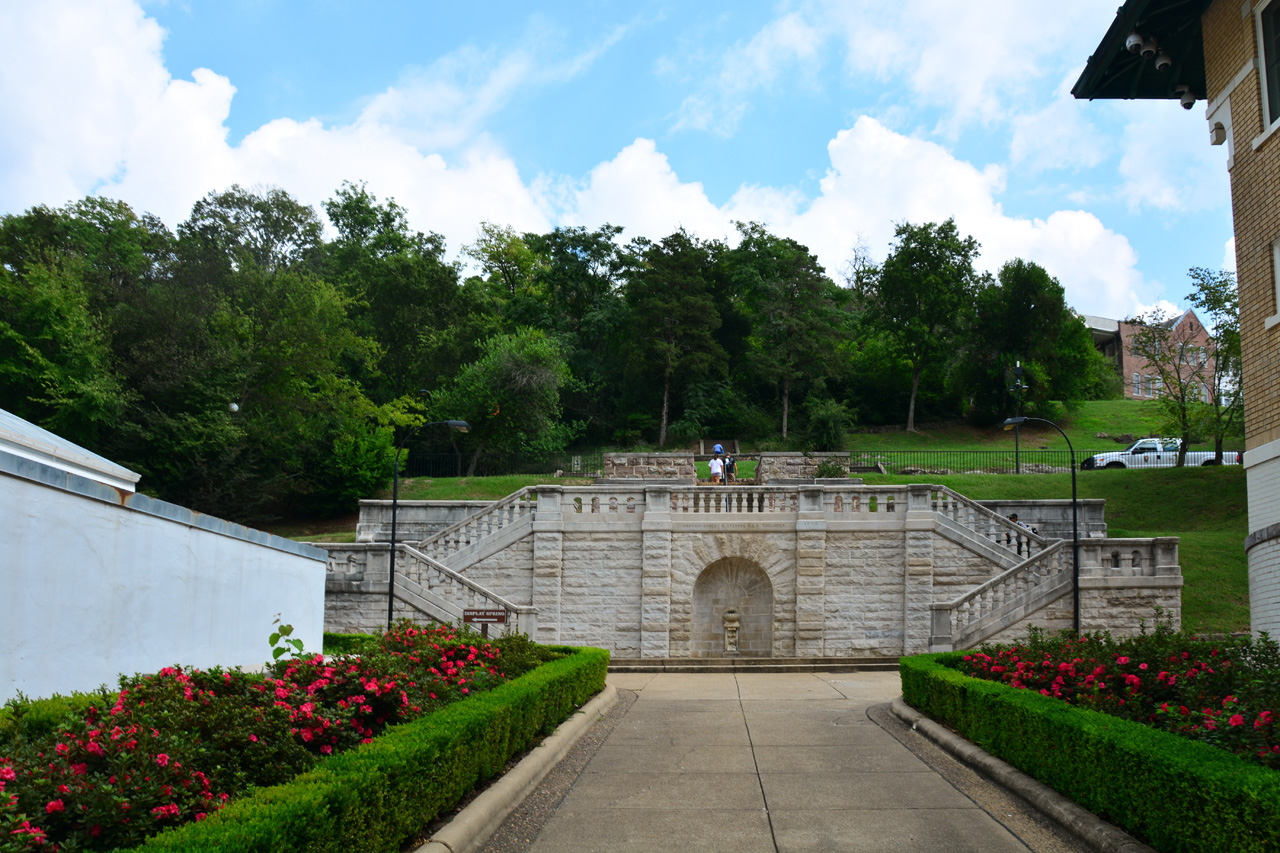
(1146, 384)
(1137, 384)
(1159, 386)
(1269, 45)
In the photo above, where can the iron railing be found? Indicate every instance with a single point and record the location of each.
(967, 461)
(570, 464)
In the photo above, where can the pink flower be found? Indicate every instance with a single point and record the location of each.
(162, 760)
(326, 749)
(94, 748)
(1122, 660)
(54, 806)
(253, 738)
(79, 769)
(1236, 720)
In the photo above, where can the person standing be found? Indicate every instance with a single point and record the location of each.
(730, 469)
(717, 469)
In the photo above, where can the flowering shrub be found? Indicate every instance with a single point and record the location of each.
(1224, 692)
(175, 746)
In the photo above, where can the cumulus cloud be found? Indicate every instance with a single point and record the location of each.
(106, 116)
(1166, 163)
(877, 178)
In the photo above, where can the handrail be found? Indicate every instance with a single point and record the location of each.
(470, 529)
(441, 568)
(955, 622)
(1011, 529)
(991, 583)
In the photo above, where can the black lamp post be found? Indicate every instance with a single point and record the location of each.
(1016, 389)
(1009, 424)
(460, 426)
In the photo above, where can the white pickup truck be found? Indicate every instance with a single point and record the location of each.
(1156, 453)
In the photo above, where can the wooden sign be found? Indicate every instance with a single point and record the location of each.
(484, 617)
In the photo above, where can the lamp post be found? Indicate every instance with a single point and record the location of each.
(1016, 389)
(460, 426)
(1011, 423)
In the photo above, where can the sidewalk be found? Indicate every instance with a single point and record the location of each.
(763, 762)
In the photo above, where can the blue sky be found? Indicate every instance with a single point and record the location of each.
(828, 121)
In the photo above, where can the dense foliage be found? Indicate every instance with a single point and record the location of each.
(247, 364)
(176, 746)
(1223, 692)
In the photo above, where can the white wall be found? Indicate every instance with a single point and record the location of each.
(95, 582)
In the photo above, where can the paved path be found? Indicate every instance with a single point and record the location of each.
(763, 762)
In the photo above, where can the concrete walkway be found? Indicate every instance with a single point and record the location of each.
(756, 762)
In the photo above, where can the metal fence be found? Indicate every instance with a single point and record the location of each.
(581, 464)
(967, 461)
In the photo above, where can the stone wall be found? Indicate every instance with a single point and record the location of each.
(415, 520)
(850, 570)
(650, 466)
(1052, 518)
(795, 466)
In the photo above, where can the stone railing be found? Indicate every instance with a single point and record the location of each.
(735, 500)
(1129, 558)
(602, 501)
(997, 530)
(493, 519)
(992, 606)
(853, 503)
(455, 593)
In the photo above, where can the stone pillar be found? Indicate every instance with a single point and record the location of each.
(655, 574)
(548, 563)
(917, 572)
(811, 563)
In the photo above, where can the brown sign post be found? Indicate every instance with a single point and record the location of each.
(484, 618)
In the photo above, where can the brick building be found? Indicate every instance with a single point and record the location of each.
(1226, 53)
(1188, 339)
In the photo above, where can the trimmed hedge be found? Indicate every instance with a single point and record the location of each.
(348, 644)
(1175, 794)
(378, 796)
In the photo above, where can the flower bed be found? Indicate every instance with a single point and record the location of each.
(104, 771)
(1222, 692)
(1174, 793)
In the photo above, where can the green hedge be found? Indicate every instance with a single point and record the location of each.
(348, 644)
(1175, 794)
(377, 797)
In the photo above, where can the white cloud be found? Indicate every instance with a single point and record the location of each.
(1058, 136)
(1229, 255)
(974, 60)
(877, 178)
(719, 106)
(1166, 162)
(107, 117)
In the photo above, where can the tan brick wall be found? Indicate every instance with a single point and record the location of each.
(1230, 41)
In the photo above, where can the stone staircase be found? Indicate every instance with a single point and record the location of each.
(484, 533)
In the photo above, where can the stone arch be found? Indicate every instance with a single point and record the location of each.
(741, 584)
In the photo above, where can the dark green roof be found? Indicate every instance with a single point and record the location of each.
(1114, 72)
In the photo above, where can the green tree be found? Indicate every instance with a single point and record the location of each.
(510, 397)
(918, 297)
(1217, 296)
(794, 309)
(673, 317)
(55, 362)
(1022, 317)
(404, 295)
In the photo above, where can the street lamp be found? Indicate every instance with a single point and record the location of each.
(460, 426)
(1009, 424)
(1016, 389)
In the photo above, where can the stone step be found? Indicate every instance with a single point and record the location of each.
(830, 664)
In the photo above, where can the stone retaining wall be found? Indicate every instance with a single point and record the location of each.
(650, 466)
(795, 466)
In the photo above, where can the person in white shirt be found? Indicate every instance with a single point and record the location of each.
(717, 469)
